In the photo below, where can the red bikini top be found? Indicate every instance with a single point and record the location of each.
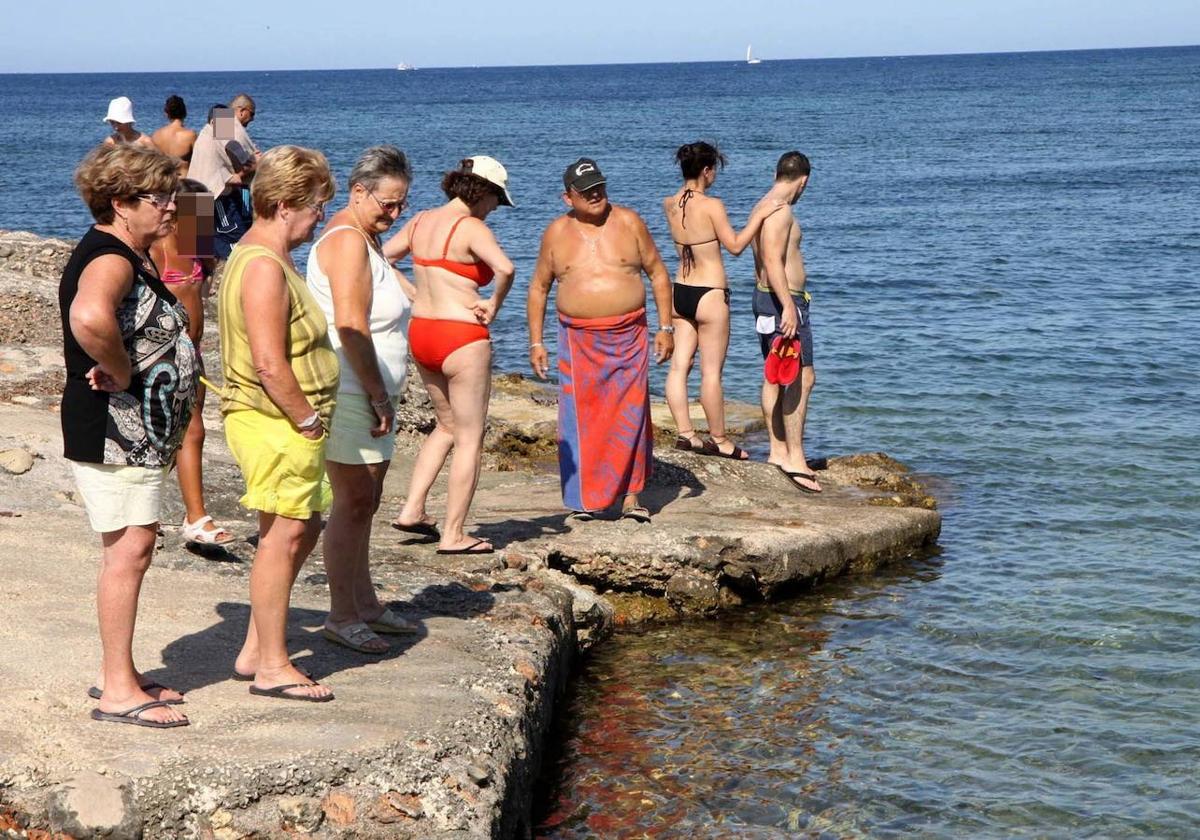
(480, 272)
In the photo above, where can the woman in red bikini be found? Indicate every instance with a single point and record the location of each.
(700, 295)
(184, 276)
(454, 256)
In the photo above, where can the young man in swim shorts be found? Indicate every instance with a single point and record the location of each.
(781, 309)
(598, 252)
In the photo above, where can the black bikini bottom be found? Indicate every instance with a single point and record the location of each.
(687, 298)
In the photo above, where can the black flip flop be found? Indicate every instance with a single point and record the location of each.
(637, 514)
(580, 516)
(423, 529)
(133, 716)
(792, 476)
(711, 447)
(279, 692)
(470, 549)
(240, 677)
(95, 693)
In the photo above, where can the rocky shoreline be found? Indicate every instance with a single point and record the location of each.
(441, 739)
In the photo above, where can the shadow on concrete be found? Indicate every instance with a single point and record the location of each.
(219, 553)
(206, 657)
(506, 534)
(667, 483)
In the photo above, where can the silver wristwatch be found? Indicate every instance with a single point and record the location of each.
(667, 330)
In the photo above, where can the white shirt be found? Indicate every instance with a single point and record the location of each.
(388, 318)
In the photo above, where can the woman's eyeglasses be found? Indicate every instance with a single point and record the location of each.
(390, 207)
(161, 201)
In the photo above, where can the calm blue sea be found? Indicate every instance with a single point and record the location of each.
(1004, 253)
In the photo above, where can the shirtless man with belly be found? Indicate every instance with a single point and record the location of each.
(598, 253)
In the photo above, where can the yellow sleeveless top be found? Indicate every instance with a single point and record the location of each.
(309, 351)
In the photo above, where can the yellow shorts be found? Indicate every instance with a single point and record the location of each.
(116, 496)
(284, 470)
(350, 440)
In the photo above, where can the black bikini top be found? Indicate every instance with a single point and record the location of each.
(687, 259)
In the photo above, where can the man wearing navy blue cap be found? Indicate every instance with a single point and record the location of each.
(598, 252)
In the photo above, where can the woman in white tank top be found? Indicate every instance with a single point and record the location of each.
(368, 302)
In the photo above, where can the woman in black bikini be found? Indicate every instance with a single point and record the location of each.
(700, 295)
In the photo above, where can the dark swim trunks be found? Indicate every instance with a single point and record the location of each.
(767, 312)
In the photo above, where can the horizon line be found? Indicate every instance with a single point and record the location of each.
(594, 64)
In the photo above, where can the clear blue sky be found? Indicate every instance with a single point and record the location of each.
(121, 35)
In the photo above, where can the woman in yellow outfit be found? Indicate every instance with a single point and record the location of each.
(281, 378)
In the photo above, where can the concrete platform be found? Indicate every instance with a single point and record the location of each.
(442, 737)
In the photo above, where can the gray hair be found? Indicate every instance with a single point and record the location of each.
(377, 163)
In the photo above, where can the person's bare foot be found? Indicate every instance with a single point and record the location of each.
(422, 525)
(803, 477)
(159, 714)
(355, 635)
(289, 675)
(150, 688)
(423, 519)
(466, 545)
(726, 448)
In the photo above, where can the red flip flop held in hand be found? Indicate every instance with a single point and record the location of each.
(783, 362)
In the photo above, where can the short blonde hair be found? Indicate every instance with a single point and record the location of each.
(292, 175)
(123, 170)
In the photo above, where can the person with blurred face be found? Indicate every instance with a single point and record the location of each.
(598, 252)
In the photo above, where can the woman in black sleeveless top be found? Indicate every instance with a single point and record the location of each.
(131, 383)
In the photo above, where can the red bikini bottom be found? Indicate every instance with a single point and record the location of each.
(433, 339)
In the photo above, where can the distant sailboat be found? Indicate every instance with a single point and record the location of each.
(404, 66)
(750, 59)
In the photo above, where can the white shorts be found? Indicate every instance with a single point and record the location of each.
(350, 440)
(117, 496)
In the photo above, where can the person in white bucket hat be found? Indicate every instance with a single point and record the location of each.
(120, 117)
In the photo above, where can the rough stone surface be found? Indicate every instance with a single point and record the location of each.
(16, 461)
(91, 805)
(299, 814)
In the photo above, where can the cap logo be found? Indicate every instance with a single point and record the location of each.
(584, 167)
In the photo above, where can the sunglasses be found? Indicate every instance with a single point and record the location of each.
(390, 207)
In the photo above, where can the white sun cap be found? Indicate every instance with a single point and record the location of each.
(491, 170)
(120, 110)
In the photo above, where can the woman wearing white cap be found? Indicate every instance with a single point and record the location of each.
(454, 256)
(120, 117)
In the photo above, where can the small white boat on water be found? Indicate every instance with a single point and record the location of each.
(403, 66)
(750, 59)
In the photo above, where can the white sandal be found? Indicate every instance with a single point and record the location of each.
(354, 636)
(195, 532)
(388, 622)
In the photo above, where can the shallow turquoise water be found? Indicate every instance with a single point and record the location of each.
(1003, 252)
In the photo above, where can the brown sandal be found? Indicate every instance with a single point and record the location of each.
(738, 454)
(684, 443)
